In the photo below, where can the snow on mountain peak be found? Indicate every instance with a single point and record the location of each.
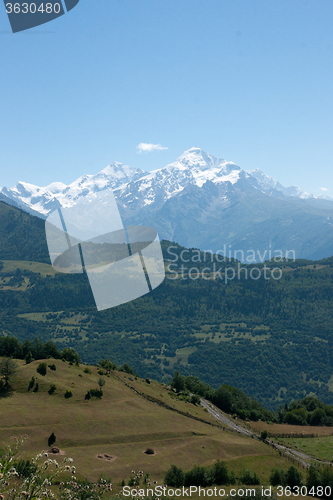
(135, 188)
(266, 182)
(45, 199)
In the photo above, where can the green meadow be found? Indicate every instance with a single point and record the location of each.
(122, 424)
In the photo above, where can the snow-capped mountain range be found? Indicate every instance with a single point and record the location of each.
(46, 199)
(138, 187)
(202, 201)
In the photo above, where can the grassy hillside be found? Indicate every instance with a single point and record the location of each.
(122, 424)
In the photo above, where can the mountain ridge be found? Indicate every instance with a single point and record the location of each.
(202, 201)
(117, 175)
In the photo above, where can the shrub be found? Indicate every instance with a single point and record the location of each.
(197, 476)
(313, 478)
(293, 477)
(127, 369)
(295, 417)
(68, 354)
(94, 393)
(87, 370)
(51, 440)
(178, 382)
(101, 381)
(52, 389)
(68, 394)
(278, 477)
(28, 358)
(249, 478)
(174, 477)
(36, 387)
(220, 473)
(25, 468)
(107, 364)
(195, 399)
(8, 368)
(31, 383)
(53, 367)
(264, 435)
(149, 451)
(42, 368)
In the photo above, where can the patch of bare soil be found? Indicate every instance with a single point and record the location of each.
(56, 451)
(105, 456)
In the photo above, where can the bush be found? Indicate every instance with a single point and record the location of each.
(68, 354)
(174, 477)
(313, 478)
(87, 370)
(264, 435)
(68, 394)
(51, 440)
(249, 478)
(25, 468)
(178, 382)
(197, 476)
(127, 369)
(94, 393)
(107, 364)
(101, 381)
(293, 477)
(52, 389)
(278, 477)
(42, 369)
(53, 367)
(195, 399)
(36, 387)
(31, 383)
(28, 358)
(295, 417)
(220, 473)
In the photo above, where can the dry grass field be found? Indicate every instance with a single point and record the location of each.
(279, 430)
(122, 424)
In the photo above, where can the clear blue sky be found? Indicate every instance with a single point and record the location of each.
(250, 81)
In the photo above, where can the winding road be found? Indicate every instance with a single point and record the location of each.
(299, 456)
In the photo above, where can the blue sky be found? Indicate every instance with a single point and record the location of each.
(249, 81)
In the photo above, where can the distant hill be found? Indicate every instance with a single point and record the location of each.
(271, 338)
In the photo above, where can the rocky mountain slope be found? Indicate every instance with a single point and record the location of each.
(206, 202)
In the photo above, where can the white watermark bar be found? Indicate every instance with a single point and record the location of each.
(189, 491)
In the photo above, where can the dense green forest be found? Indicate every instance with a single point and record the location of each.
(270, 338)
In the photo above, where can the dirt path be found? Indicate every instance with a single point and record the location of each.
(299, 456)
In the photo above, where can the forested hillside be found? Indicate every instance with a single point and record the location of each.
(271, 338)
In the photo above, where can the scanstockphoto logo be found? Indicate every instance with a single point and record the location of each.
(26, 14)
(121, 263)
